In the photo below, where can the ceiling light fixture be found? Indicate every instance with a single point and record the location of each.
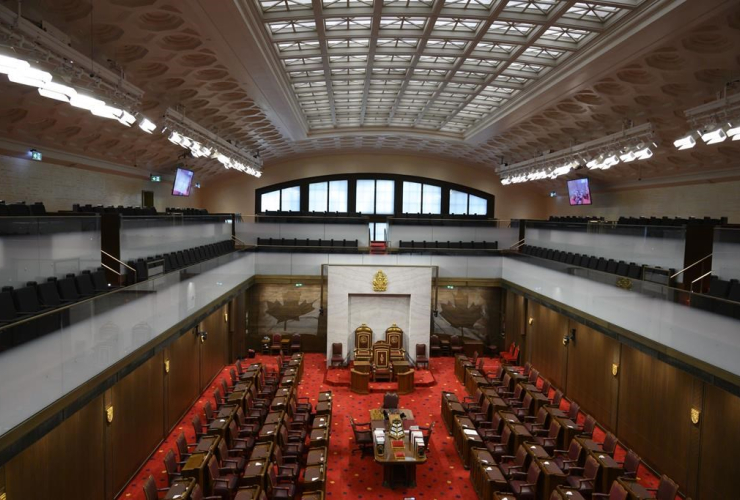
(147, 125)
(597, 154)
(203, 143)
(714, 122)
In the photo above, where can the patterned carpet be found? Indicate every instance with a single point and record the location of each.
(349, 475)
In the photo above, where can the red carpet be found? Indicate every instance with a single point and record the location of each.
(348, 475)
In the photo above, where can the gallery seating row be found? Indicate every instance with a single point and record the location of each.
(173, 261)
(292, 217)
(621, 268)
(642, 221)
(306, 245)
(517, 440)
(447, 247)
(186, 211)
(34, 299)
(727, 290)
(21, 209)
(100, 209)
(442, 220)
(574, 219)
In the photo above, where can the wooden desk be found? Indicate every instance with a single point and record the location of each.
(474, 380)
(316, 456)
(321, 422)
(538, 401)
(519, 434)
(237, 398)
(314, 495)
(255, 473)
(461, 363)
(552, 477)
(208, 444)
(398, 470)
(466, 438)
(220, 427)
(274, 417)
(314, 478)
(318, 438)
(588, 445)
(362, 366)
(324, 396)
(444, 345)
(180, 489)
(570, 430)
(278, 403)
(262, 451)
(534, 451)
(470, 347)
(195, 467)
(227, 411)
(285, 344)
(484, 473)
(268, 433)
(608, 473)
(283, 392)
(555, 412)
(636, 490)
(400, 367)
(450, 408)
(323, 408)
(250, 493)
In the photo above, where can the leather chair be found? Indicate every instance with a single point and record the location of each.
(509, 464)
(610, 444)
(631, 463)
(170, 465)
(151, 490)
(382, 363)
(231, 460)
(556, 399)
(508, 357)
(198, 427)
(588, 427)
(583, 479)
(223, 483)
(533, 376)
(295, 343)
(406, 382)
(276, 347)
(182, 447)
(666, 490)
(288, 466)
(524, 485)
(279, 487)
(570, 457)
(390, 401)
(573, 411)
(550, 441)
(524, 409)
(617, 492)
(359, 382)
(535, 424)
(498, 445)
(421, 356)
(363, 436)
(456, 345)
(435, 346)
(337, 358)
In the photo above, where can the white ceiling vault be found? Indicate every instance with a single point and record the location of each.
(471, 80)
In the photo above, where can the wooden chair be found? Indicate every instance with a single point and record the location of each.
(363, 343)
(382, 363)
(421, 356)
(406, 382)
(394, 338)
(359, 382)
(276, 347)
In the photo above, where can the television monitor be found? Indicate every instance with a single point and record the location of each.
(183, 182)
(579, 192)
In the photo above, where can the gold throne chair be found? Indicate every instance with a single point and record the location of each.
(363, 343)
(394, 338)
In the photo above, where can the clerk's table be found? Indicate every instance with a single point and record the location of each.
(399, 464)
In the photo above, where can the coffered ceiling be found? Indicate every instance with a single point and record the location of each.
(473, 80)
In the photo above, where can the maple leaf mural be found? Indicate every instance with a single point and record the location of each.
(290, 309)
(463, 310)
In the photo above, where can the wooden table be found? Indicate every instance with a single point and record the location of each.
(314, 478)
(323, 408)
(268, 433)
(400, 367)
(461, 363)
(324, 396)
(227, 411)
(255, 473)
(588, 445)
(484, 473)
(318, 438)
(466, 438)
(538, 401)
(237, 398)
(555, 413)
(551, 477)
(316, 456)
(219, 427)
(570, 430)
(470, 347)
(180, 489)
(195, 467)
(534, 451)
(362, 366)
(636, 490)
(278, 403)
(274, 417)
(321, 422)
(609, 471)
(207, 444)
(474, 380)
(285, 344)
(519, 434)
(250, 493)
(399, 465)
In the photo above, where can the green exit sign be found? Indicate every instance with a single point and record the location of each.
(299, 284)
(155, 178)
(450, 287)
(36, 155)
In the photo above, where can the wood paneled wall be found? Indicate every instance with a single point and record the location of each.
(69, 462)
(87, 458)
(514, 321)
(647, 404)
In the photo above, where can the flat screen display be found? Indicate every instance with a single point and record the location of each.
(578, 192)
(183, 182)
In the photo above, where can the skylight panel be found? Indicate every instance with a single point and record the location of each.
(298, 46)
(349, 43)
(348, 23)
(409, 43)
(510, 28)
(437, 44)
(284, 5)
(303, 26)
(483, 63)
(591, 12)
(528, 68)
(543, 53)
(564, 34)
(301, 61)
(389, 58)
(456, 24)
(402, 23)
(345, 4)
(530, 6)
(469, 4)
(407, 3)
(501, 48)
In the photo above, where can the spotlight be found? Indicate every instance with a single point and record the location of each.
(713, 135)
(36, 155)
(553, 194)
(686, 142)
(644, 153)
(147, 126)
(733, 130)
